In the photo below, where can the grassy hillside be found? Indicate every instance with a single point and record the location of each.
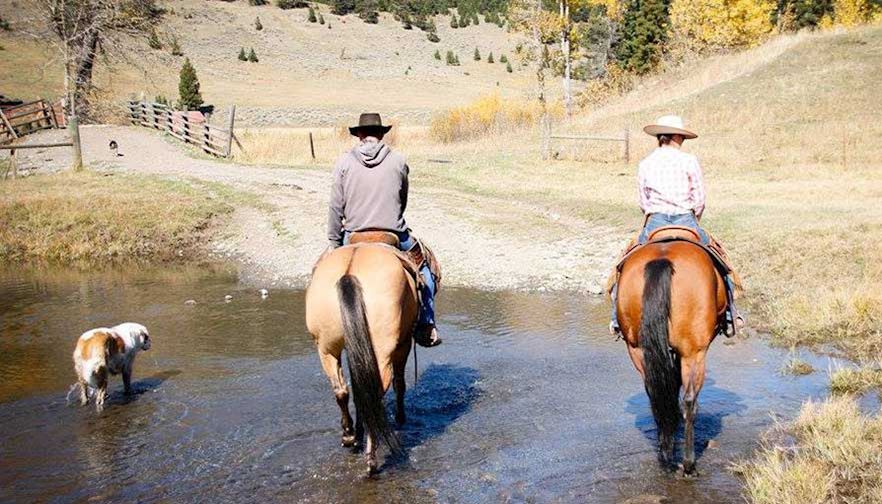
(308, 74)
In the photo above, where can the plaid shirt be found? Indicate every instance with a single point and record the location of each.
(670, 182)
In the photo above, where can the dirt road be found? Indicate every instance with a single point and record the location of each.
(278, 229)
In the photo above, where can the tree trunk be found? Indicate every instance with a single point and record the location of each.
(565, 49)
(85, 66)
(545, 123)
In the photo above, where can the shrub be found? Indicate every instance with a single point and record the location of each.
(722, 23)
(433, 37)
(188, 87)
(343, 7)
(322, 20)
(477, 55)
(252, 56)
(257, 24)
(508, 68)
(490, 58)
(486, 115)
(176, 48)
(256, 3)
(475, 20)
(437, 55)
(312, 18)
(852, 12)
(242, 55)
(463, 21)
(162, 100)
(4, 25)
(405, 22)
(503, 59)
(453, 22)
(154, 41)
(291, 4)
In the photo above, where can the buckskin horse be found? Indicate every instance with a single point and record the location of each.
(671, 301)
(363, 297)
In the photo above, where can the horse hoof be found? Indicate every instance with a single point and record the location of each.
(372, 470)
(689, 469)
(348, 441)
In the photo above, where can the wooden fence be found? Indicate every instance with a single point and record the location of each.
(625, 139)
(19, 120)
(188, 126)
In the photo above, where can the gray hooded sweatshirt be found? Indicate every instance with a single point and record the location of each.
(369, 191)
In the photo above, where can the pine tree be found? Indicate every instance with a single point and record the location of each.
(312, 18)
(405, 22)
(798, 14)
(451, 58)
(255, 3)
(433, 37)
(475, 20)
(242, 55)
(644, 34)
(154, 41)
(503, 59)
(321, 19)
(175, 48)
(477, 55)
(463, 21)
(456, 59)
(453, 22)
(490, 58)
(257, 24)
(188, 88)
(252, 56)
(437, 55)
(508, 67)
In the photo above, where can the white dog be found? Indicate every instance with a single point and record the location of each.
(102, 351)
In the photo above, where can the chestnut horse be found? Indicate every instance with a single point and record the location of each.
(670, 302)
(362, 298)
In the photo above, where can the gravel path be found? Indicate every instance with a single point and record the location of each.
(277, 232)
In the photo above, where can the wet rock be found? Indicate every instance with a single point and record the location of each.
(228, 298)
(264, 293)
(190, 302)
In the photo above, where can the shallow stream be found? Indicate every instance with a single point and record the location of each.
(528, 400)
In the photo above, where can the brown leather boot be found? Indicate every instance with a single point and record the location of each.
(426, 336)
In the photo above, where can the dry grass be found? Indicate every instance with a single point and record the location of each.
(835, 457)
(855, 381)
(489, 114)
(89, 218)
(796, 367)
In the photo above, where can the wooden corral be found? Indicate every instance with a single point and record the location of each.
(20, 120)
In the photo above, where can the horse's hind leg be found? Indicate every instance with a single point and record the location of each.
(693, 378)
(399, 364)
(332, 368)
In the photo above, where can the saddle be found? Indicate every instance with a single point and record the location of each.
(680, 233)
(412, 259)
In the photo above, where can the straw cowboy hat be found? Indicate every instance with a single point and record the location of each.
(669, 125)
(369, 121)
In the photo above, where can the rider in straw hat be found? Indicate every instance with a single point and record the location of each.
(671, 190)
(369, 192)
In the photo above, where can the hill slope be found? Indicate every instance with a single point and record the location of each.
(308, 73)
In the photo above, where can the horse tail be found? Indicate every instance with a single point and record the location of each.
(367, 386)
(661, 368)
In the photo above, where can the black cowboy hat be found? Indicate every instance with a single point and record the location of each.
(369, 121)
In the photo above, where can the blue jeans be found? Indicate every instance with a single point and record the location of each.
(427, 307)
(656, 221)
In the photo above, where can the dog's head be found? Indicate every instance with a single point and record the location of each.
(137, 334)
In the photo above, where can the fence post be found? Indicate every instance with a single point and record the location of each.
(627, 146)
(230, 121)
(205, 137)
(12, 166)
(311, 146)
(185, 125)
(9, 127)
(74, 126)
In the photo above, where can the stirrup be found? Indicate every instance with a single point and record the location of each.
(426, 336)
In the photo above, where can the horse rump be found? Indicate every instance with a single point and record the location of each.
(367, 386)
(661, 367)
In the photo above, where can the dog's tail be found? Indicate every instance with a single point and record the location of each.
(95, 364)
